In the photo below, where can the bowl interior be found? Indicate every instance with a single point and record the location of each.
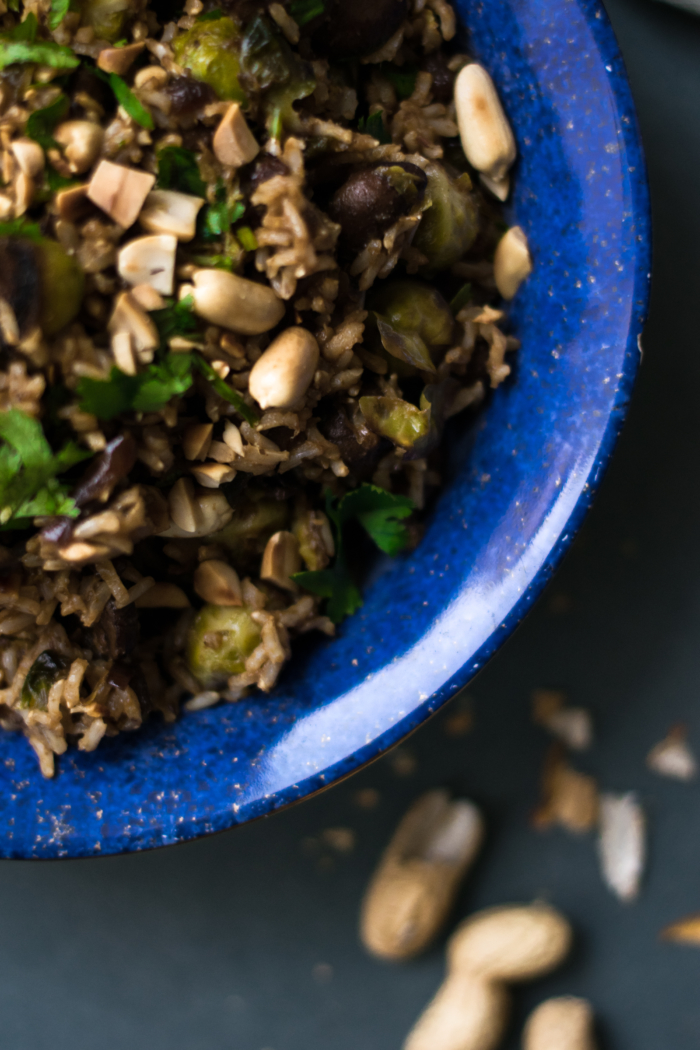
(519, 481)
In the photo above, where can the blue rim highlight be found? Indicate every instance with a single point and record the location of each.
(520, 480)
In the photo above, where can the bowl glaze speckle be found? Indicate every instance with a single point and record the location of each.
(520, 481)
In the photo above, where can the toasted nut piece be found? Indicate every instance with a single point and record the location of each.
(163, 596)
(168, 211)
(149, 260)
(208, 512)
(123, 352)
(622, 843)
(82, 142)
(119, 59)
(672, 757)
(156, 74)
(147, 297)
(234, 302)
(487, 139)
(564, 1023)
(211, 475)
(120, 191)
(196, 440)
(217, 583)
(512, 262)
(73, 203)
(232, 437)
(514, 942)
(684, 931)
(6, 206)
(234, 143)
(82, 553)
(281, 560)
(29, 155)
(417, 880)
(466, 1014)
(24, 193)
(569, 798)
(500, 188)
(283, 374)
(128, 316)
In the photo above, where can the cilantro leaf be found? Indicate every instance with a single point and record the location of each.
(42, 122)
(217, 218)
(145, 392)
(379, 513)
(28, 468)
(178, 170)
(21, 45)
(303, 11)
(59, 10)
(175, 319)
(210, 16)
(224, 390)
(126, 98)
(374, 125)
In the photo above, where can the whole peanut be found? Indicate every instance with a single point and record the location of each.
(565, 1023)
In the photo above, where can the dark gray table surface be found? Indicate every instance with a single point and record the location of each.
(248, 941)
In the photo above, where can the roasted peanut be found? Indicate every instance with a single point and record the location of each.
(487, 139)
(512, 262)
(281, 377)
(415, 884)
(234, 302)
(565, 1023)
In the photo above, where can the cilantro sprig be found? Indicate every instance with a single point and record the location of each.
(146, 391)
(303, 11)
(20, 44)
(28, 467)
(178, 170)
(59, 10)
(380, 514)
(126, 98)
(42, 122)
(374, 125)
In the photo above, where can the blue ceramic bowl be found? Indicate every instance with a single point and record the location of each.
(520, 482)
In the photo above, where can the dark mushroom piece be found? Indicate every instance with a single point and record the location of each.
(188, 95)
(350, 30)
(116, 633)
(372, 199)
(106, 470)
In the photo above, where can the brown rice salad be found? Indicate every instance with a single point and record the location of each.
(225, 363)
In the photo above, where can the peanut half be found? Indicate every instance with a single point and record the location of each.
(492, 948)
(283, 374)
(416, 882)
(487, 139)
(565, 1023)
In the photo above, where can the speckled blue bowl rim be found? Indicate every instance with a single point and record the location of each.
(134, 793)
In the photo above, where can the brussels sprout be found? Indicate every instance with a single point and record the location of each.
(398, 420)
(449, 226)
(63, 284)
(412, 320)
(219, 642)
(253, 522)
(270, 68)
(211, 53)
(46, 670)
(41, 283)
(107, 17)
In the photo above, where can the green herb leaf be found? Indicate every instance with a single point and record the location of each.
(211, 16)
(224, 390)
(21, 227)
(176, 319)
(145, 392)
(247, 238)
(59, 10)
(42, 122)
(461, 299)
(374, 125)
(178, 170)
(402, 78)
(303, 11)
(28, 468)
(216, 219)
(126, 98)
(56, 182)
(21, 45)
(380, 513)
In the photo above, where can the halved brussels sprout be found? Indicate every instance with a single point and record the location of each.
(211, 53)
(41, 283)
(46, 670)
(107, 17)
(219, 642)
(450, 225)
(398, 420)
(413, 320)
(271, 69)
(253, 522)
(312, 531)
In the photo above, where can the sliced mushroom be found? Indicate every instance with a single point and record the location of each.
(149, 260)
(168, 211)
(120, 191)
